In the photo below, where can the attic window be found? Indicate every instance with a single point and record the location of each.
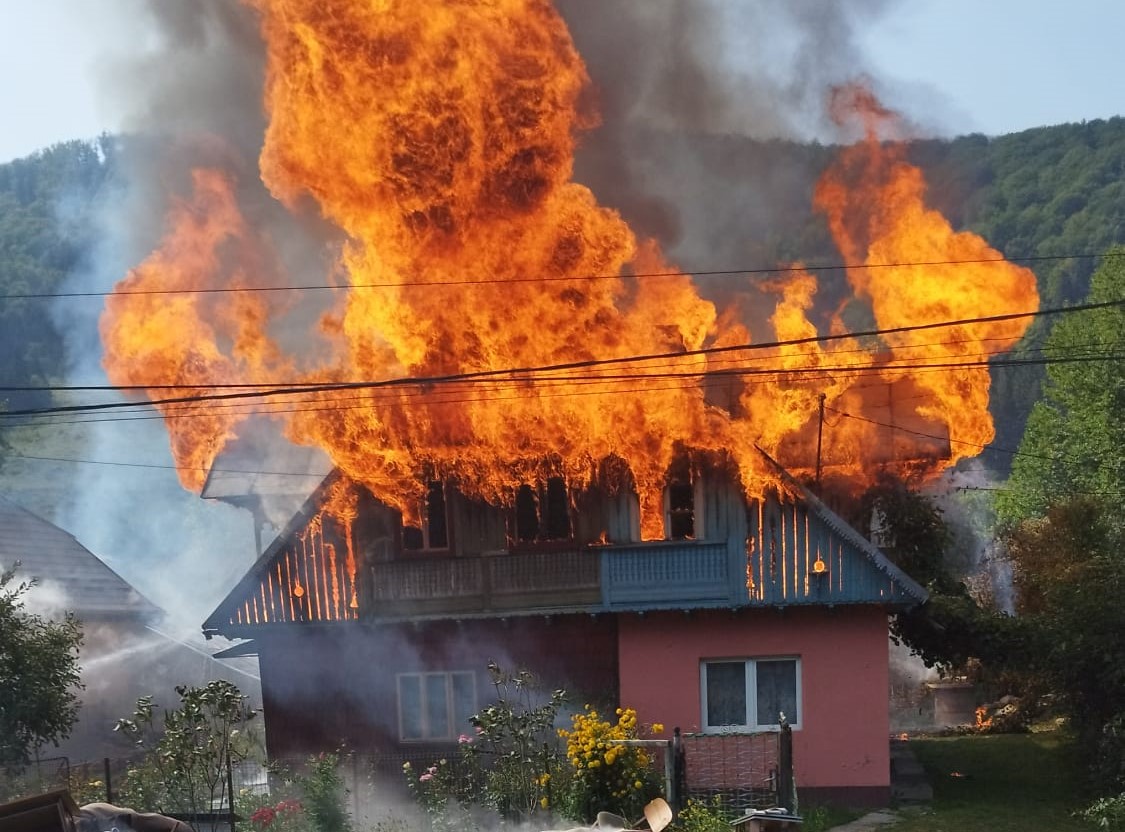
(682, 503)
(434, 532)
(542, 514)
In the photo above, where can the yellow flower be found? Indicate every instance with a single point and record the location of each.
(543, 802)
(658, 727)
(637, 784)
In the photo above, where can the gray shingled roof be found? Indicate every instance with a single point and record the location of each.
(53, 556)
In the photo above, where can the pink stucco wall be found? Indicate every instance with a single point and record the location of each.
(843, 741)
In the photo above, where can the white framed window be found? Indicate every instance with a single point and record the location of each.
(750, 694)
(435, 706)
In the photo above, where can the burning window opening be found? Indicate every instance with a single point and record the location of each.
(542, 514)
(433, 533)
(683, 499)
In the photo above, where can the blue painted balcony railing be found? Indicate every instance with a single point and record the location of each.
(669, 574)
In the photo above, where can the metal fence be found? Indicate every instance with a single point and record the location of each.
(738, 771)
(734, 771)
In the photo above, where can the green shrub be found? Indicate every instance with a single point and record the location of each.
(1107, 813)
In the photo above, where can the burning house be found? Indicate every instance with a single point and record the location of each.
(550, 447)
(377, 633)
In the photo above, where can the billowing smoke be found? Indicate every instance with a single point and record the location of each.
(186, 79)
(690, 92)
(977, 557)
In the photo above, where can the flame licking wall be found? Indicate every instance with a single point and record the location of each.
(440, 138)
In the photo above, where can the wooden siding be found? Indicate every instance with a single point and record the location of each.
(678, 574)
(312, 578)
(495, 583)
(475, 527)
(759, 554)
(796, 557)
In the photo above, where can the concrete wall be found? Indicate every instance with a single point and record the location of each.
(841, 751)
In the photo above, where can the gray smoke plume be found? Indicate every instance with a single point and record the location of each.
(186, 80)
(686, 86)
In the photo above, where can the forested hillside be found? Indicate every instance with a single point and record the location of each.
(46, 230)
(1048, 192)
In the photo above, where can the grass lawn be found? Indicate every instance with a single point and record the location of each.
(1006, 783)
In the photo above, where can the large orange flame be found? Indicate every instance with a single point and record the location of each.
(440, 136)
(154, 334)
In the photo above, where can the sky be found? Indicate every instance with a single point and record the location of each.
(954, 66)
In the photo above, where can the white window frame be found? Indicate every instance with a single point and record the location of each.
(455, 729)
(751, 682)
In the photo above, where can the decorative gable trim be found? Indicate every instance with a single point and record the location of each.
(308, 573)
(901, 582)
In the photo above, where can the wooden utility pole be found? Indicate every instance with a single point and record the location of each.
(819, 438)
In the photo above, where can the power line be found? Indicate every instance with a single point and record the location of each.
(160, 467)
(760, 270)
(527, 373)
(1019, 491)
(248, 385)
(828, 373)
(952, 441)
(368, 404)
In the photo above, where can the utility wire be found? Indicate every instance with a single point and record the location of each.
(75, 388)
(527, 373)
(808, 373)
(239, 408)
(560, 279)
(160, 467)
(952, 441)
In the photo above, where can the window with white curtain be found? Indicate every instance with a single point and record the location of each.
(750, 694)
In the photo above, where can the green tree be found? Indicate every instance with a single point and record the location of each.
(1070, 581)
(951, 628)
(188, 751)
(40, 673)
(1074, 444)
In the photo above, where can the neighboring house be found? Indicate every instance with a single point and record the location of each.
(379, 635)
(125, 654)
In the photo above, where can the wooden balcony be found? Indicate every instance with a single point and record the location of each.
(637, 576)
(486, 584)
(671, 574)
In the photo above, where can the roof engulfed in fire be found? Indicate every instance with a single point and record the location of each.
(440, 139)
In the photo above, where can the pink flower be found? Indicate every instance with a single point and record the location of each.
(425, 777)
(464, 739)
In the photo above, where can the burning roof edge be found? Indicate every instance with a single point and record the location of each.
(834, 521)
(213, 623)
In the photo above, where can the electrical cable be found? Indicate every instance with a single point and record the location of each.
(758, 270)
(523, 373)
